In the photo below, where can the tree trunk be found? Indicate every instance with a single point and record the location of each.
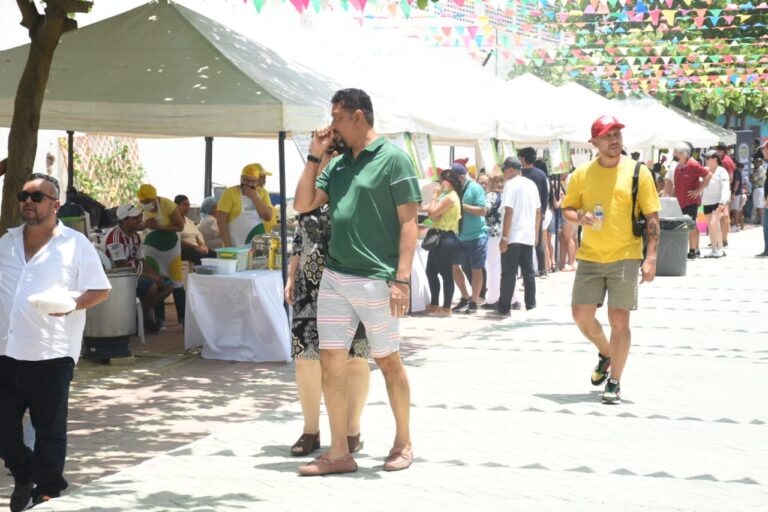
(44, 33)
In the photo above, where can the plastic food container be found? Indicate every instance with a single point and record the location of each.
(240, 255)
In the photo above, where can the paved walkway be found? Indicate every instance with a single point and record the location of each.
(503, 416)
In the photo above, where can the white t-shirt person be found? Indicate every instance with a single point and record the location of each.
(522, 195)
(719, 189)
(68, 263)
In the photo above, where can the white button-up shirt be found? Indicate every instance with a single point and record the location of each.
(67, 262)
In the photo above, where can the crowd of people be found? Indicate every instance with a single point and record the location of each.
(723, 189)
(155, 237)
(349, 273)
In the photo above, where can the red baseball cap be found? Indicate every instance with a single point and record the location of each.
(603, 124)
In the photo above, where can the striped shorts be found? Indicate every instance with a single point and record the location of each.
(344, 301)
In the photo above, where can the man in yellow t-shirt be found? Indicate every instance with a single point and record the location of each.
(245, 210)
(599, 197)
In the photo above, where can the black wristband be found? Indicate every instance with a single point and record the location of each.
(402, 281)
(312, 158)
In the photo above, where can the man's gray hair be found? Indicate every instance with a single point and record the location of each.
(683, 147)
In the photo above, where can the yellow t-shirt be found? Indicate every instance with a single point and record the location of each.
(449, 220)
(231, 203)
(165, 208)
(592, 183)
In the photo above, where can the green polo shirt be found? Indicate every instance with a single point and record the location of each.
(364, 194)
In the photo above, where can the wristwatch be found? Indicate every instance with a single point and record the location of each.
(312, 158)
(505, 238)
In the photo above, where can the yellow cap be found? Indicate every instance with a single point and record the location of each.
(254, 170)
(147, 191)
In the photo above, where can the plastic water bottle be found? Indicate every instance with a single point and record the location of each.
(599, 214)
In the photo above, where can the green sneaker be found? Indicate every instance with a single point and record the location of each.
(612, 393)
(600, 373)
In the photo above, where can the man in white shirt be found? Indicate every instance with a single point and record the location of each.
(521, 206)
(49, 276)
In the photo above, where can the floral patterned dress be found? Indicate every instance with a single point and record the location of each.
(493, 214)
(310, 245)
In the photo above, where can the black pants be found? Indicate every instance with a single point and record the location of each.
(540, 256)
(179, 300)
(439, 264)
(517, 256)
(42, 387)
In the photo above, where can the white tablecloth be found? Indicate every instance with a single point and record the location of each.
(238, 317)
(420, 296)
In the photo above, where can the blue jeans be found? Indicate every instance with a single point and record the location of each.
(765, 231)
(471, 253)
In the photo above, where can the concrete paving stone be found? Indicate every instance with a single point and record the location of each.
(503, 416)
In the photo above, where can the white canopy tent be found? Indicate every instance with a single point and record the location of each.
(581, 106)
(648, 122)
(531, 111)
(724, 134)
(414, 88)
(668, 126)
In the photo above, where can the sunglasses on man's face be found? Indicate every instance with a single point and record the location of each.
(36, 196)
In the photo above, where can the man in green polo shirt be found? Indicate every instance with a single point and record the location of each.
(373, 193)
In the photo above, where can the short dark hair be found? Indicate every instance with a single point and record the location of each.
(46, 177)
(180, 199)
(528, 154)
(355, 99)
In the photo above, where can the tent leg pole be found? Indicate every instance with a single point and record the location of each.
(208, 183)
(70, 163)
(451, 155)
(283, 216)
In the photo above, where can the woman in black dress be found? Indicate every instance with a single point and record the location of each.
(305, 270)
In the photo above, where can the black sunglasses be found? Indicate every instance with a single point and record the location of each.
(36, 196)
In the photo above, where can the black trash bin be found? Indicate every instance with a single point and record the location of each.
(672, 252)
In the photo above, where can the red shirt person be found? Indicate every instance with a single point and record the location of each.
(726, 160)
(727, 163)
(689, 180)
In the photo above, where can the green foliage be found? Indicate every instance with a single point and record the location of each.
(112, 180)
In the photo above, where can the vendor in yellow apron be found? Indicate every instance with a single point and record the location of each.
(245, 211)
(162, 245)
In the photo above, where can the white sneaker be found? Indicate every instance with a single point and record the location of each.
(711, 254)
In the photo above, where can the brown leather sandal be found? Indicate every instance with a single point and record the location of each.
(306, 444)
(354, 443)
